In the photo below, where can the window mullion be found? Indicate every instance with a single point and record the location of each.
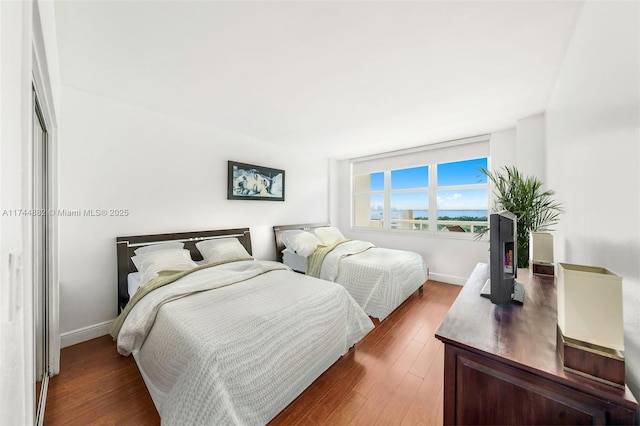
(387, 200)
(433, 198)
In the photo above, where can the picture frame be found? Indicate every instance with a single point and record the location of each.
(253, 182)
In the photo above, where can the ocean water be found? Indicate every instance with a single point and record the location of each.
(395, 214)
(458, 213)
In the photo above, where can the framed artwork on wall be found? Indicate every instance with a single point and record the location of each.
(251, 182)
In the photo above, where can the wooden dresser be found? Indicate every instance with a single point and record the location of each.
(502, 367)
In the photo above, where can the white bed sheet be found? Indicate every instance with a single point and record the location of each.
(294, 261)
(379, 279)
(133, 283)
(240, 353)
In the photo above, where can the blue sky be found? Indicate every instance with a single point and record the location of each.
(462, 172)
(457, 173)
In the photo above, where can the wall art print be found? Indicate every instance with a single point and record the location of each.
(251, 182)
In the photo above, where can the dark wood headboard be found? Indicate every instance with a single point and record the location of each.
(277, 230)
(125, 247)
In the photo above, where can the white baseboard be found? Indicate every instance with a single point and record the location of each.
(449, 279)
(83, 334)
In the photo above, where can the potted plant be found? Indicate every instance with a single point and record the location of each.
(523, 196)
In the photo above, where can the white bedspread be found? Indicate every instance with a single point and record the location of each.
(379, 279)
(242, 352)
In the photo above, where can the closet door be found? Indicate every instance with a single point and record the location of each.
(40, 258)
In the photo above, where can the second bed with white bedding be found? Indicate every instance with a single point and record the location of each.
(379, 279)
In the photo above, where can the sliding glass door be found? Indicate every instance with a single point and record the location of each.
(40, 256)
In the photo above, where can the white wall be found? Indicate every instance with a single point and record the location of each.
(593, 154)
(502, 149)
(171, 175)
(530, 150)
(522, 146)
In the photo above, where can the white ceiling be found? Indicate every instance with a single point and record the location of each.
(343, 79)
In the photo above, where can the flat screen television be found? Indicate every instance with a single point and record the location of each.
(502, 287)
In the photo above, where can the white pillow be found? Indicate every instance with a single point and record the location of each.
(149, 264)
(133, 282)
(161, 246)
(222, 249)
(329, 235)
(303, 243)
(286, 235)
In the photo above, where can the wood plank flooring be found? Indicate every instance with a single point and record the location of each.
(393, 376)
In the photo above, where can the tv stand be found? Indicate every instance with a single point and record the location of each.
(516, 297)
(501, 364)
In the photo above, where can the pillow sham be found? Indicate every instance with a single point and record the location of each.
(133, 282)
(286, 235)
(303, 243)
(329, 235)
(149, 264)
(222, 249)
(156, 247)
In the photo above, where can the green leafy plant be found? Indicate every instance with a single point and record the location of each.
(523, 196)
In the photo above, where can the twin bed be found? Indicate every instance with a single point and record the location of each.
(379, 279)
(232, 340)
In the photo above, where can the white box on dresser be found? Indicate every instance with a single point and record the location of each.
(590, 305)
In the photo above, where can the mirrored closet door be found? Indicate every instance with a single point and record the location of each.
(41, 248)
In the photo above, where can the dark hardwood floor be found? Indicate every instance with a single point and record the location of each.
(393, 376)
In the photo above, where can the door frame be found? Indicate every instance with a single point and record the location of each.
(43, 88)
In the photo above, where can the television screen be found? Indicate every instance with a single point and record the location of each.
(502, 287)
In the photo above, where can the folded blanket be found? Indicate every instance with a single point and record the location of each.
(314, 262)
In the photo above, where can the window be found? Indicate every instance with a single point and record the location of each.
(403, 203)
(409, 198)
(425, 190)
(463, 196)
